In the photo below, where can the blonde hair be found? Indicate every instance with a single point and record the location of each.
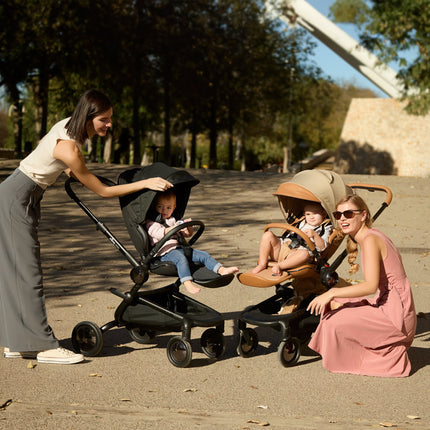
(351, 244)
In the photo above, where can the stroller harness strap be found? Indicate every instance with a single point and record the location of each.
(296, 240)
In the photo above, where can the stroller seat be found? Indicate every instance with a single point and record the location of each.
(266, 278)
(308, 186)
(136, 209)
(201, 274)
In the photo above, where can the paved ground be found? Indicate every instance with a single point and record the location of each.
(134, 386)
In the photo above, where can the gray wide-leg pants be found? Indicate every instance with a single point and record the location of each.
(23, 320)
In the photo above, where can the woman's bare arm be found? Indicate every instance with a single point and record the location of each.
(68, 152)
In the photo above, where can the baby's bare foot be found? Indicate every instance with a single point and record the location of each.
(276, 270)
(191, 288)
(258, 268)
(227, 270)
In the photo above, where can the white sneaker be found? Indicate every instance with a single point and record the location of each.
(7, 353)
(59, 356)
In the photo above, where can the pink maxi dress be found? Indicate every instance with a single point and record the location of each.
(371, 336)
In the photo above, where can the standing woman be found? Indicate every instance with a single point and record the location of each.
(24, 329)
(358, 334)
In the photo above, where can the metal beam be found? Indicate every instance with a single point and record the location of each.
(302, 13)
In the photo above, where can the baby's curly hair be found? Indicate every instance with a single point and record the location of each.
(351, 244)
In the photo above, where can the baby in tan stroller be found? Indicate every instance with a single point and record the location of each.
(307, 240)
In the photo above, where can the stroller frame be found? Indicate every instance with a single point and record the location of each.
(296, 328)
(146, 312)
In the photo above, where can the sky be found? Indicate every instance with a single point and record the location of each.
(331, 64)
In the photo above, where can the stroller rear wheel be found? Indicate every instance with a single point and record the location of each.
(289, 352)
(248, 342)
(213, 343)
(179, 351)
(141, 336)
(87, 339)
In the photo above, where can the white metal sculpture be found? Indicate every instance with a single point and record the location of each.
(302, 13)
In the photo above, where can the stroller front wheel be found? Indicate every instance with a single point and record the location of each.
(87, 339)
(179, 351)
(248, 342)
(141, 336)
(289, 352)
(213, 343)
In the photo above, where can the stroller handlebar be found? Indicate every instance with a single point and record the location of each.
(174, 232)
(368, 187)
(99, 224)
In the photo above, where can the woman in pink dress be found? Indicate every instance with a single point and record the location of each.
(359, 334)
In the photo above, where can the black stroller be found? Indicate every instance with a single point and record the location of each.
(146, 312)
(306, 281)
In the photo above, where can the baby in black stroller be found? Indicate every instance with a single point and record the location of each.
(174, 249)
(144, 312)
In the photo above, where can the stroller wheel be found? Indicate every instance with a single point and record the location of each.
(141, 336)
(248, 342)
(87, 338)
(289, 352)
(213, 343)
(179, 351)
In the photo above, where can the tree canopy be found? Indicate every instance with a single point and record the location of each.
(397, 31)
(172, 68)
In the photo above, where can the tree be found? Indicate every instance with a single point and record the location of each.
(396, 30)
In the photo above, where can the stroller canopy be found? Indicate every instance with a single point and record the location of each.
(138, 207)
(321, 186)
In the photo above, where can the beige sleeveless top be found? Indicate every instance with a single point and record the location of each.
(40, 165)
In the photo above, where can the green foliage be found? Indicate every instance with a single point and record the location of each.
(397, 31)
(219, 68)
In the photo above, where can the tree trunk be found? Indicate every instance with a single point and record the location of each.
(230, 140)
(213, 137)
(136, 128)
(41, 91)
(167, 149)
(193, 149)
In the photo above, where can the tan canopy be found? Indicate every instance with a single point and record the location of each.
(322, 186)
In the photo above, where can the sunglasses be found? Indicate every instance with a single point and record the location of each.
(350, 213)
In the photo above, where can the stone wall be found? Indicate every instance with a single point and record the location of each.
(379, 137)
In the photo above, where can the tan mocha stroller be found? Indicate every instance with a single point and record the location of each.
(295, 288)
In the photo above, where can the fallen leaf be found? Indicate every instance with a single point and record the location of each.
(253, 387)
(125, 400)
(5, 404)
(30, 365)
(263, 424)
(95, 375)
(413, 417)
(262, 406)
(358, 403)
(387, 425)
(188, 390)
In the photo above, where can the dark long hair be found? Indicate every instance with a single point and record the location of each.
(91, 104)
(351, 244)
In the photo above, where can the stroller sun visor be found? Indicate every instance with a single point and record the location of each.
(137, 206)
(322, 186)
